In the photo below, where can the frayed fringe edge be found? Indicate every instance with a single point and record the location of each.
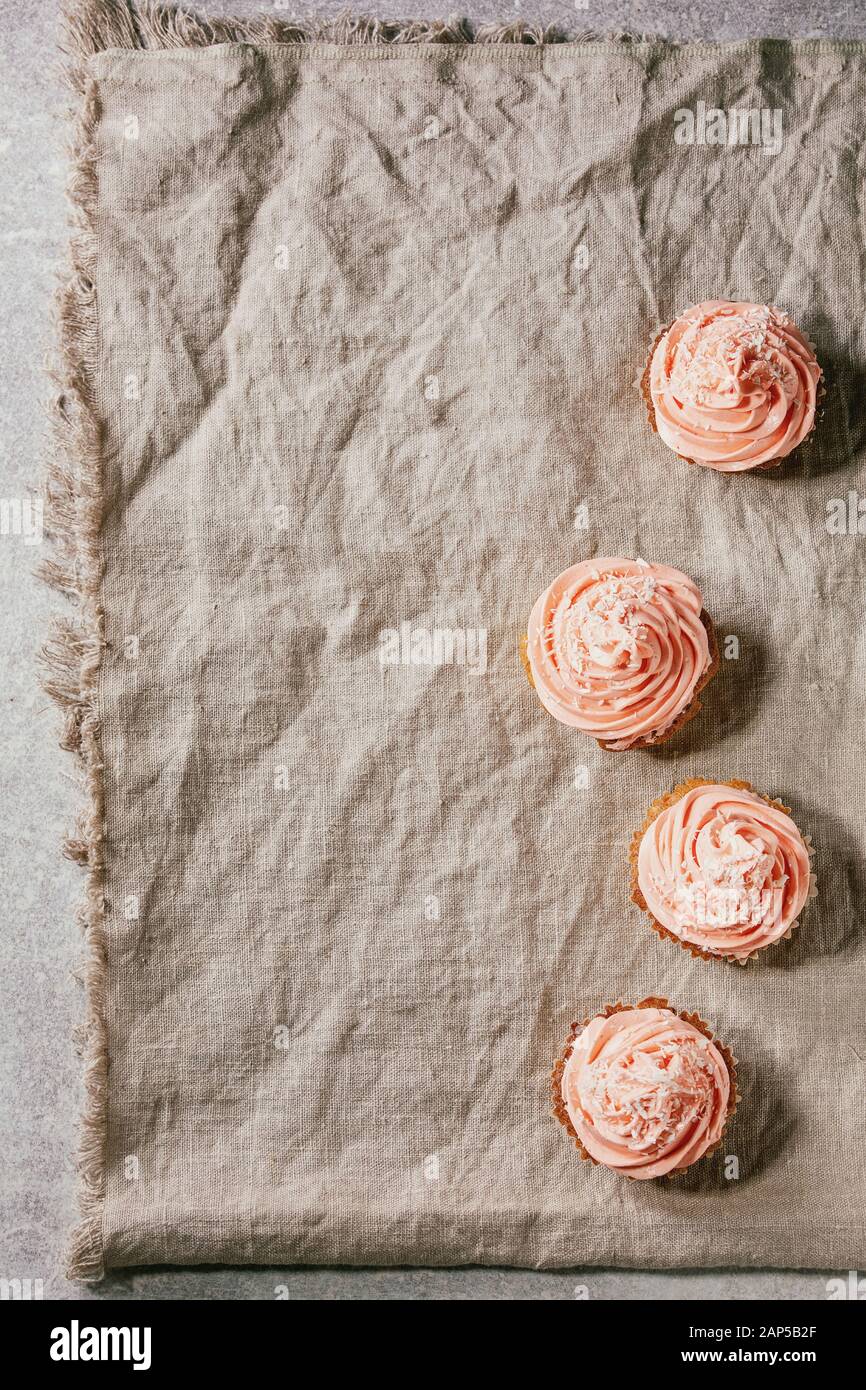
(72, 654)
(97, 25)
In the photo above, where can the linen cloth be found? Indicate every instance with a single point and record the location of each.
(370, 320)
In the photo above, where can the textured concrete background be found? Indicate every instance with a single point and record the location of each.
(40, 1002)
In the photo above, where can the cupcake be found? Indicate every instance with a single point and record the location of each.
(720, 869)
(732, 386)
(620, 649)
(644, 1090)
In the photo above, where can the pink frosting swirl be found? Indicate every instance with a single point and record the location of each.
(733, 385)
(724, 870)
(617, 648)
(646, 1091)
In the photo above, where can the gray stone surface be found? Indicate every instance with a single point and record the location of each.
(39, 1074)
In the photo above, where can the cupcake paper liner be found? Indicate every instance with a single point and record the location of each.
(560, 1111)
(662, 803)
